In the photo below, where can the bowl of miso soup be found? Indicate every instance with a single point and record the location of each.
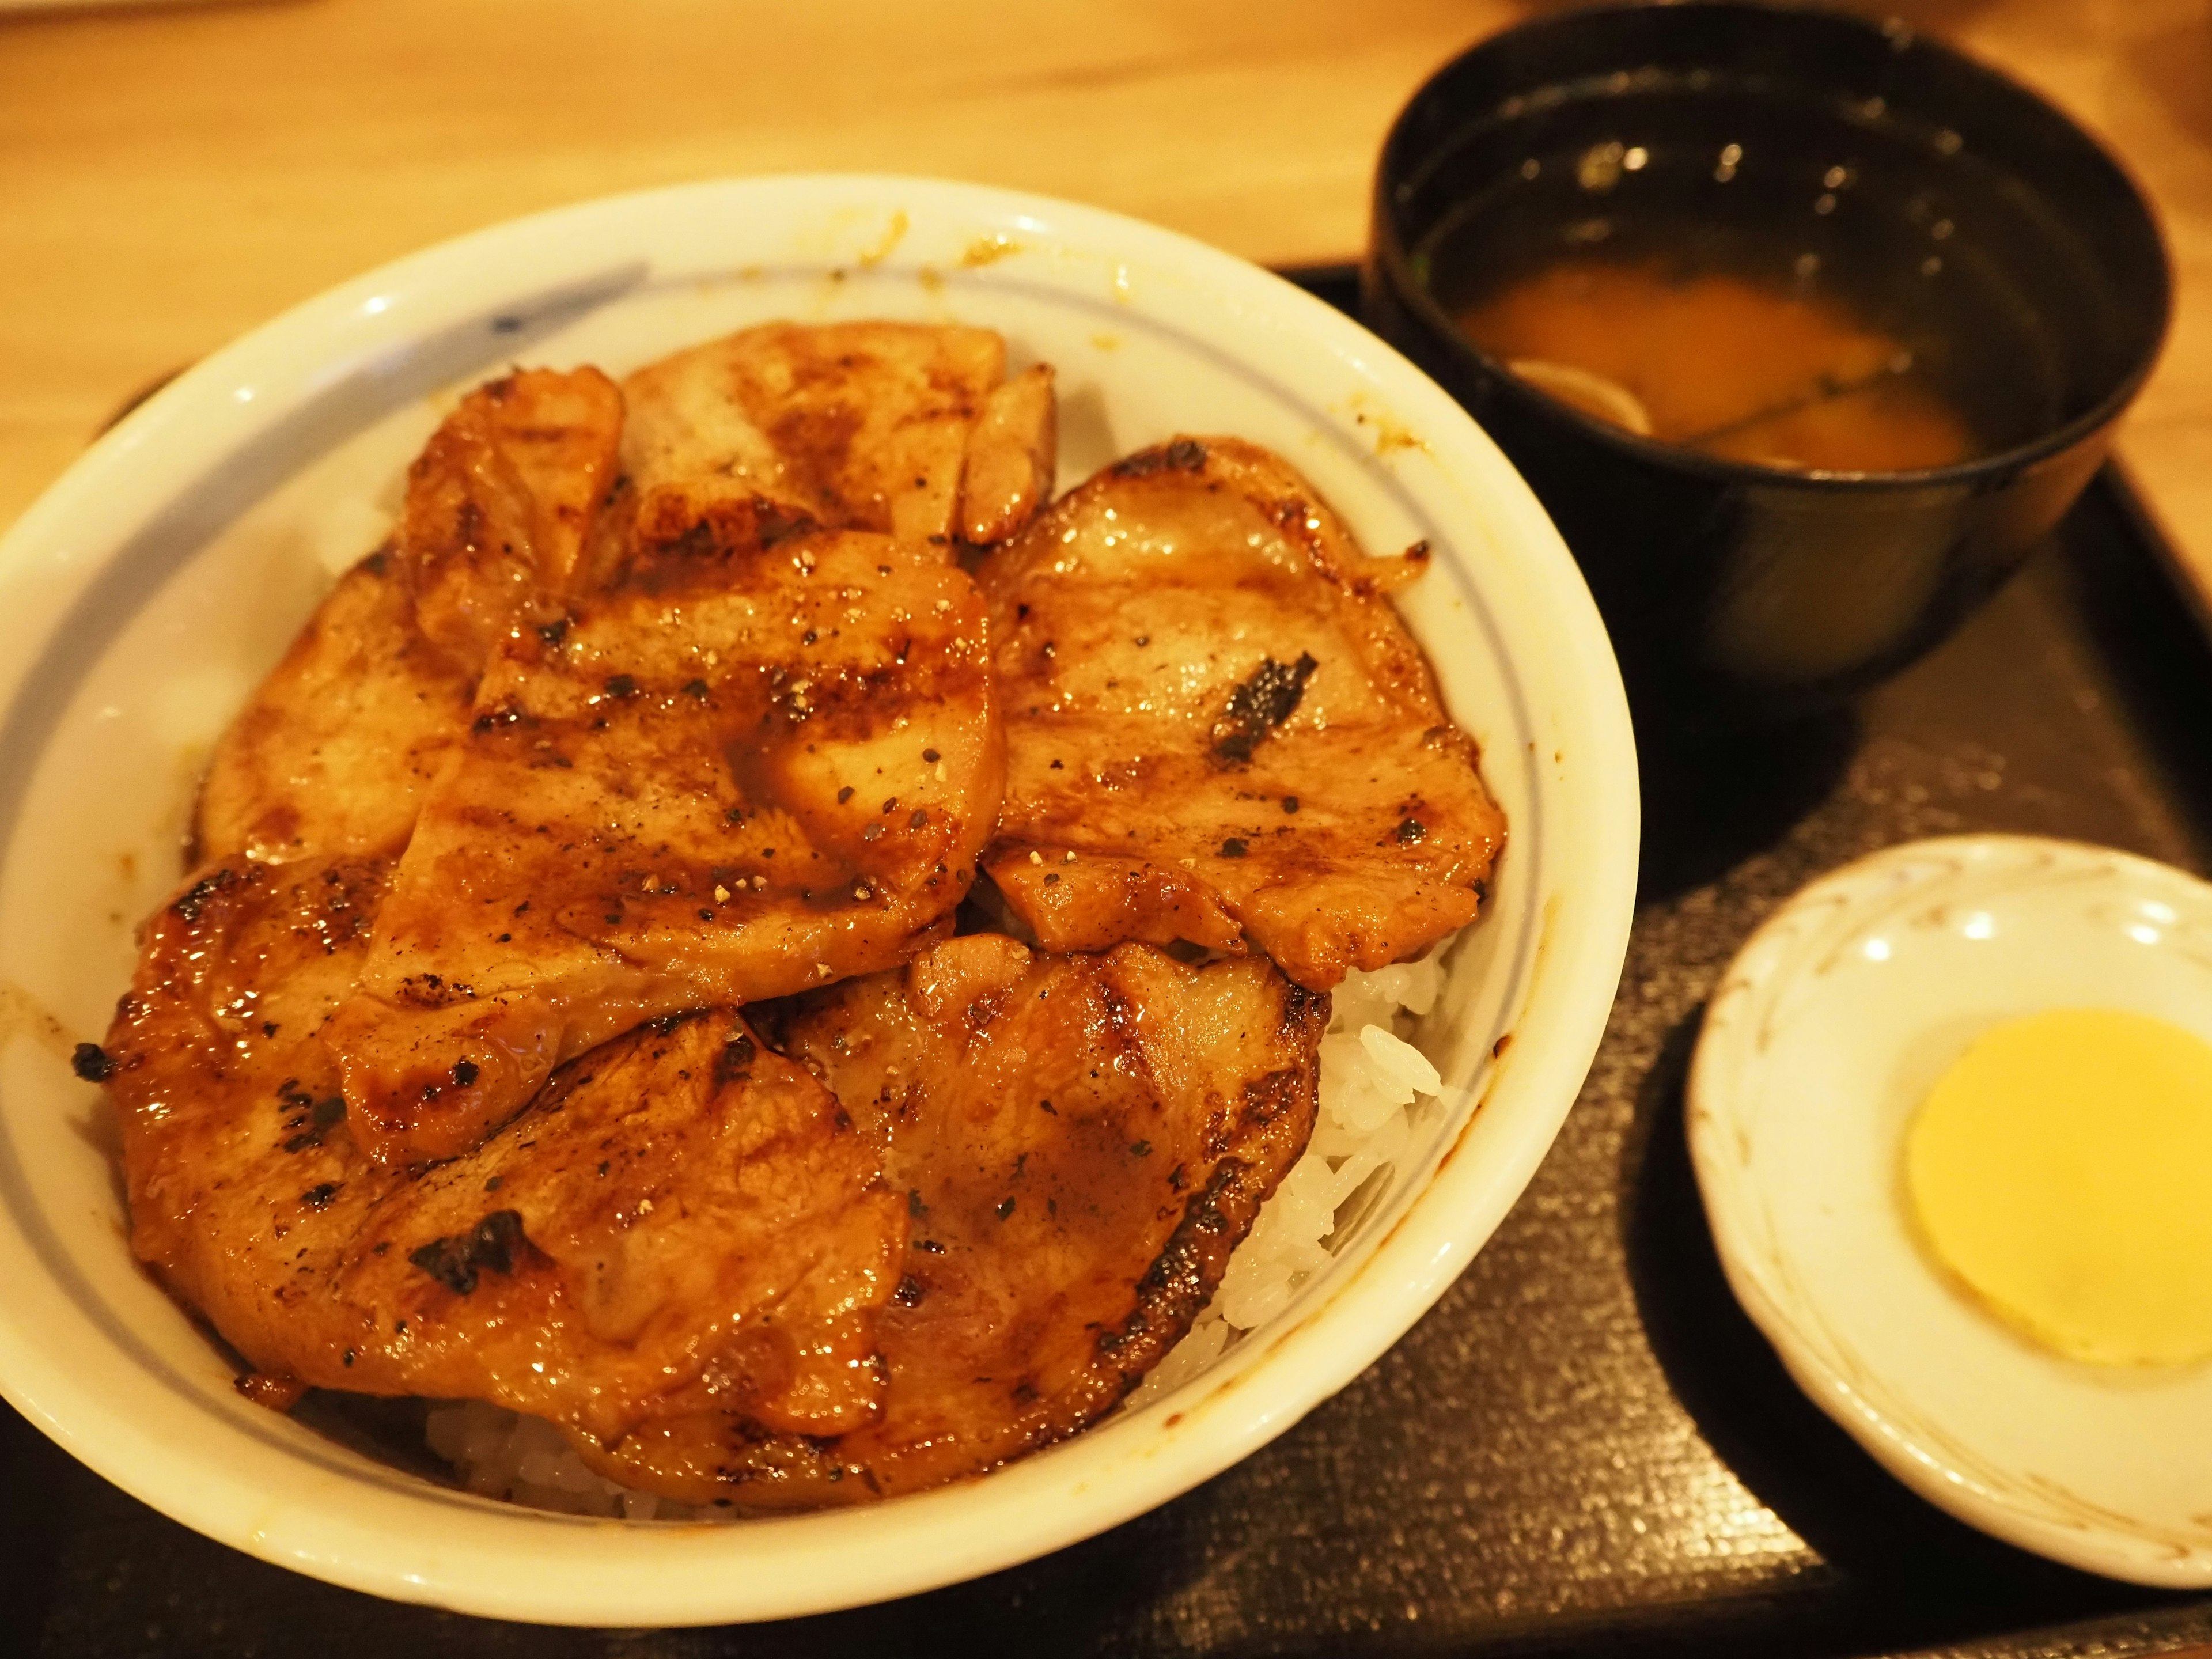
(1805, 329)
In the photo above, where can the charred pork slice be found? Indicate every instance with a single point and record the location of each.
(865, 426)
(683, 1212)
(747, 773)
(1218, 729)
(335, 750)
(1080, 1143)
(518, 506)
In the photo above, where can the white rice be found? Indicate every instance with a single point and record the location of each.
(1371, 1079)
(502, 1454)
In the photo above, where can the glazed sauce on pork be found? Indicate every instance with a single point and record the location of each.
(566, 1012)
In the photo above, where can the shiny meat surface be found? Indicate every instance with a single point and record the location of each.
(339, 744)
(673, 697)
(502, 517)
(862, 426)
(1080, 1142)
(516, 506)
(750, 771)
(682, 1215)
(1012, 453)
(1218, 729)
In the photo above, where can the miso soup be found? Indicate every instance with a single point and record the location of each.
(1719, 278)
(1719, 363)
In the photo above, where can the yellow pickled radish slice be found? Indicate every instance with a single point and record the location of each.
(2062, 1168)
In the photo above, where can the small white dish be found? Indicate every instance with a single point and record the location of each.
(1828, 1030)
(145, 594)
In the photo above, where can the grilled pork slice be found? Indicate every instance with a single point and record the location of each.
(864, 426)
(503, 515)
(518, 506)
(1080, 1142)
(682, 1212)
(1218, 729)
(1013, 451)
(336, 749)
(748, 772)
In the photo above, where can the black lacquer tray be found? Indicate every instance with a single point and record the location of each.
(1584, 1447)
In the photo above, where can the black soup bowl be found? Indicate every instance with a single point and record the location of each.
(1819, 155)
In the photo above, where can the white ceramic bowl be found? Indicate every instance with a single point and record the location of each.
(1827, 1034)
(150, 588)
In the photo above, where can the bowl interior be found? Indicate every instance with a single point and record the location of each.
(149, 592)
(1815, 153)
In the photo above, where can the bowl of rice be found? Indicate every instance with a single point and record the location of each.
(151, 587)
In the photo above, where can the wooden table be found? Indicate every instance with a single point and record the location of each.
(171, 176)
